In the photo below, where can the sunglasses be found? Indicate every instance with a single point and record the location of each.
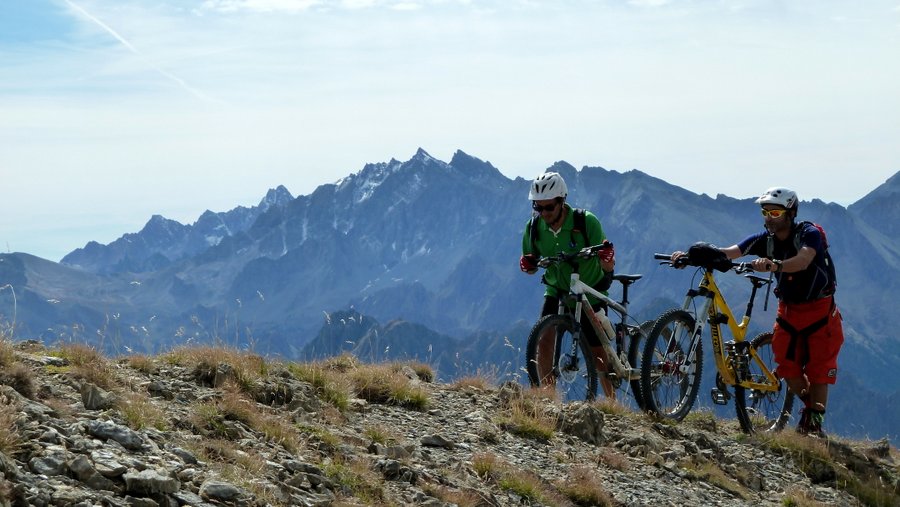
(774, 213)
(547, 207)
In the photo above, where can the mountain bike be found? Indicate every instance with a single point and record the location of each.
(572, 369)
(672, 362)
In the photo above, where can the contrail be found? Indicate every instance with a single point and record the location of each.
(168, 75)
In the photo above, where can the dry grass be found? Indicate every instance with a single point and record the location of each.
(19, 377)
(331, 386)
(319, 438)
(459, 497)
(707, 471)
(338, 378)
(381, 434)
(387, 385)
(235, 465)
(827, 460)
(583, 487)
(613, 459)
(139, 412)
(610, 406)
(703, 419)
(87, 364)
(530, 416)
(423, 371)
(358, 476)
(215, 365)
(486, 465)
(142, 363)
(7, 353)
(527, 485)
(11, 439)
(477, 382)
(799, 497)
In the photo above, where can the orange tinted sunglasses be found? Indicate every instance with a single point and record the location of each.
(774, 213)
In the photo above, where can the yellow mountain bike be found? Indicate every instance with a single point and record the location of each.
(672, 362)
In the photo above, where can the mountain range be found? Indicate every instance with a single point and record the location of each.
(418, 258)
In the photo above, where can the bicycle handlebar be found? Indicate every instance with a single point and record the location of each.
(585, 253)
(738, 267)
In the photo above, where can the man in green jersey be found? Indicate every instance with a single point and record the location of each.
(557, 227)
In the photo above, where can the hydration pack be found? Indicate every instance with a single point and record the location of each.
(829, 264)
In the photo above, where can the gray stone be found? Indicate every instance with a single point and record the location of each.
(121, 434)
(95, 398)
(584, 421)
(150, 482)
(221, 491)
(84, 471)
(437, 441)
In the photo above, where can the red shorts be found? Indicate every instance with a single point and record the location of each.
(816, 354)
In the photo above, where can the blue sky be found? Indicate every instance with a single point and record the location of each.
(114, 110)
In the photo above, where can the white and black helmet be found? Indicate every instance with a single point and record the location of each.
(548, 186)
(780, 196)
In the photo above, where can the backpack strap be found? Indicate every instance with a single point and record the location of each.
(580, 226)
(533, 234)
(796, 229)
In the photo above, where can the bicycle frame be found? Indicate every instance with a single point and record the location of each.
(717, 310)
(579, 291)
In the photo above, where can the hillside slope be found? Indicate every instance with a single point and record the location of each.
(214, 426)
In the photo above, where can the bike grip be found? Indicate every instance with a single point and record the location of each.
(662, 257)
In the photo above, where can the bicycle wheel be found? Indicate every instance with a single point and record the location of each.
(637, 336)
(760, 410)
(669, 379)
(575, 374)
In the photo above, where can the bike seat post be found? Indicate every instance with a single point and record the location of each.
(752, 297)
(625, 284)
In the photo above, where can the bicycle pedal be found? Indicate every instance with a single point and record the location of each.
(720, 397)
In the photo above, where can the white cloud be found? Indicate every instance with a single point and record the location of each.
(260, 5)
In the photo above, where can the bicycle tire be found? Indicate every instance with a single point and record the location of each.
(667, 390)
(761, 411)
(572, 384)
(637, 338)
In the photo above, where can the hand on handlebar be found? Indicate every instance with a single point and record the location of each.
(528, 263)
(607, 254)
(763, 264)
(679, 259)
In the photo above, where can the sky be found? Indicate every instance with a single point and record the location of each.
(112, 111)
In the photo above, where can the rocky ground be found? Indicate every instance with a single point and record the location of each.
(176, 430)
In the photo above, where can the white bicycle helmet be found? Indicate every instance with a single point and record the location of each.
(547, 186)
(780, 196)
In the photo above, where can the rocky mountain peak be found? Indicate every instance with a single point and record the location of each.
(278, 196)
(159, 225)
(81, 429)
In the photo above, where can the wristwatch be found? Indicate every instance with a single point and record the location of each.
(778, 265)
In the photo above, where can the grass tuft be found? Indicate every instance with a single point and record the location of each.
(386, 385)
(11, 439)
(139, 412)
(583, 487)
(330, 385)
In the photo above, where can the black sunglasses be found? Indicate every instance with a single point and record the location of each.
(547, 207)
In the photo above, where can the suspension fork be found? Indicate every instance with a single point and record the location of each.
(696, 333)
(576, 332)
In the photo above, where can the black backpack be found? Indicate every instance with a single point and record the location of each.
(829, 264)
(580, 226)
